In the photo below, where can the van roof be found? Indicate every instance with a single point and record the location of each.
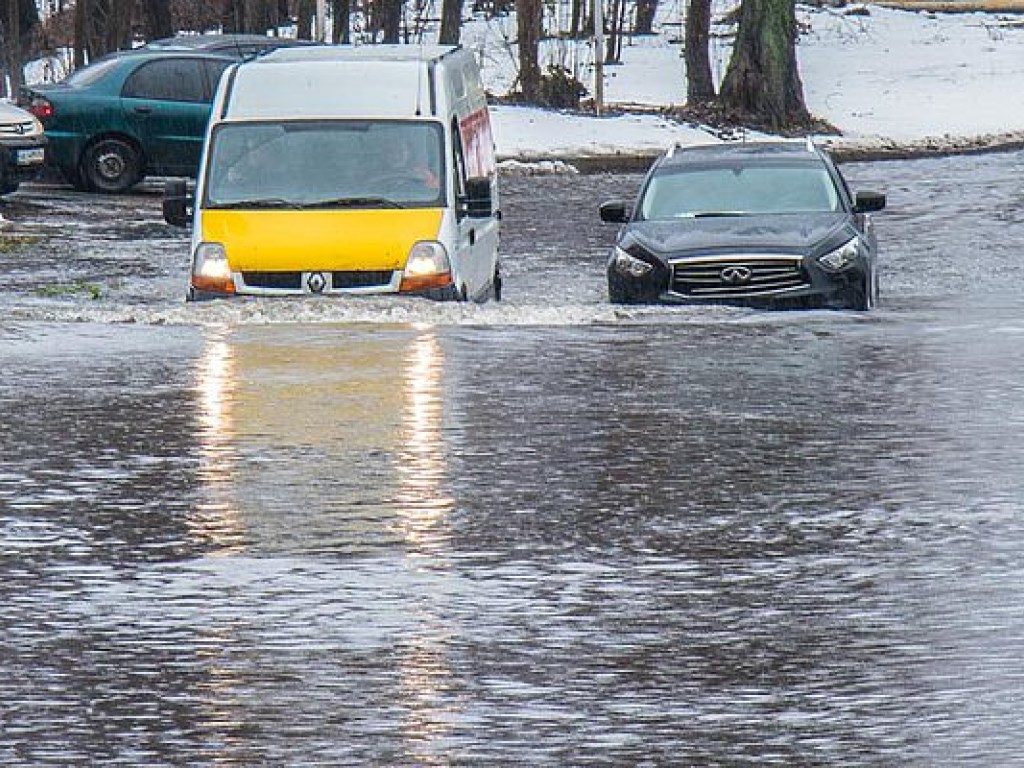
(386, 52)
(331, 81)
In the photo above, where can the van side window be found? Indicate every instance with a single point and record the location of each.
(458, 161)
(167, 80)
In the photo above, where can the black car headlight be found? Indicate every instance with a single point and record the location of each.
(842, 257)
(629, 265)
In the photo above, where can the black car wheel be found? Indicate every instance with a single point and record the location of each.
(111, 165)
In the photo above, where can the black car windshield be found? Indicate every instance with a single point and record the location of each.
(738, 191)
(326, 164)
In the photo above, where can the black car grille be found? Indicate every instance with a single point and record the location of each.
(292, 281)
(737, 276)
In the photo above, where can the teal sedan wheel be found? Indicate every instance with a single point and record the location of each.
(111, 165)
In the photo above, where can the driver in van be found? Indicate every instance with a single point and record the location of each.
(398, 161)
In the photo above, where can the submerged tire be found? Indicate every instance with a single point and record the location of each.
(111, 165)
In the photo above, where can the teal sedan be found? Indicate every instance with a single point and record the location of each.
(129, 115)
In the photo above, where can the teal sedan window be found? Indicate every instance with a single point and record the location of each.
(167, 80)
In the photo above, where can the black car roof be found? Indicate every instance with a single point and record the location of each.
(745, 151)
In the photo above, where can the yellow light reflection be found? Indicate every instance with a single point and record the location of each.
(215, 519)
(423, 503)
(424, 516)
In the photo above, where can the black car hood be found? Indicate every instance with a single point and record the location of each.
(803, 233)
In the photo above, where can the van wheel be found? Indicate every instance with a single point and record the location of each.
(111, 165)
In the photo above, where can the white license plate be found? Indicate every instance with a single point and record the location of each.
(29, 156)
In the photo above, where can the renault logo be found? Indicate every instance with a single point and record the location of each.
(316, 282)
(736, 275)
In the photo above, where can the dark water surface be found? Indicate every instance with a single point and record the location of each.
(548, 533)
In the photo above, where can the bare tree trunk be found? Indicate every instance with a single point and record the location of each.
(233, 19)
(576, 20)
(158, 19)
(391, 20)
(700, 84)
(304, 11)
(81, 38)
(646, 10)
(529, 15)
(119, 24)
(12, 45)
(451, 22)
(763, 82)
(341, 12)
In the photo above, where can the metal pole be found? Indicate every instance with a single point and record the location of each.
(321, 21)
(598, 56)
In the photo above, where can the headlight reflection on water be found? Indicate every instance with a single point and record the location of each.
(215, 519)
(422, 501)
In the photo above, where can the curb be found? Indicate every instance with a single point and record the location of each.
(841, 150)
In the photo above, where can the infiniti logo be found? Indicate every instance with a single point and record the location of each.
(736, 275)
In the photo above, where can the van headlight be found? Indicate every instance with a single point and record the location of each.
(427, 266)
(210, 269)
(842, 257)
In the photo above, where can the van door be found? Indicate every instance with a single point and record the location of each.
(477, 229)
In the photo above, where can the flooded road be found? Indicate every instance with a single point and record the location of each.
(546, 532)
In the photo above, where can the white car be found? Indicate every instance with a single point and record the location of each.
(22, 147)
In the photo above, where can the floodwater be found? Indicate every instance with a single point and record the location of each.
(546, 532)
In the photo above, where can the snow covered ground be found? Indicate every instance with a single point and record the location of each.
(889, 79)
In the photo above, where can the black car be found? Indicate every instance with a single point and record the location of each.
(764, 224)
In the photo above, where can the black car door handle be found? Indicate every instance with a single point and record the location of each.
(143, 110)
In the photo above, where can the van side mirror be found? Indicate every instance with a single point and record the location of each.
(477, 202)
(868, 202)
(614, 212)
(177, 203)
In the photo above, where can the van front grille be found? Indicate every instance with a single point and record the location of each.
(283, 281)
(365, 279)
(293, 281)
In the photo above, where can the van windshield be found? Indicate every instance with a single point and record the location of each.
(326, 164)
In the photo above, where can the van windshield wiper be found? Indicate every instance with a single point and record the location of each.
(354, 202)
(260, 202)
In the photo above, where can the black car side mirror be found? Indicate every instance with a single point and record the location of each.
(614, 212)
(868, 202)
(177, 203)
(477, 202)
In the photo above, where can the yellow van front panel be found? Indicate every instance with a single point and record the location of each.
(329, 240)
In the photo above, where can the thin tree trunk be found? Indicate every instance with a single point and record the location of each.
(762, 81)
(158, 19)
(529, 15)
(700, 84)
(304, 12)
(12, 46)
(341, 12)
(391, 21)
(451, 22)
(81, 38)
(646, 10)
